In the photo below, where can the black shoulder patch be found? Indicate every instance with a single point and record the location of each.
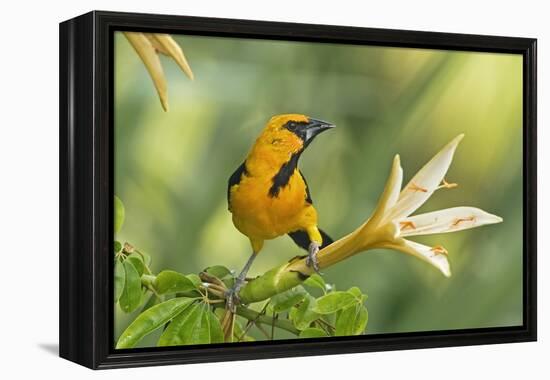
(235, 179)
(308, 194)
(282, 177)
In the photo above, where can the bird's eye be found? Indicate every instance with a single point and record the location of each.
(292, 126)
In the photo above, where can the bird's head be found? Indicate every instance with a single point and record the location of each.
(292, 133)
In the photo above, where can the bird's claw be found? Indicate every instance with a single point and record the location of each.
(311, 260)
(232, 296)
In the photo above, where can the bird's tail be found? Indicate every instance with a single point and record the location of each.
(301, 239)
(327, 240)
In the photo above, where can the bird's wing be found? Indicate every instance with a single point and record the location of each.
(235, 179)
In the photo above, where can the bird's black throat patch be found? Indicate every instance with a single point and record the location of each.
(282, 177)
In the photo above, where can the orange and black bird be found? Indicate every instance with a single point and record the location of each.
(268, 195)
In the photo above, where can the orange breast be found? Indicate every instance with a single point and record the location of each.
(259, 215)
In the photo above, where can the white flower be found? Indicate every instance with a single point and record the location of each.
(148, 46)
(391, 221)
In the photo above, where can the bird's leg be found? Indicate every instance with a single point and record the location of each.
(311, 260)
(232, 294)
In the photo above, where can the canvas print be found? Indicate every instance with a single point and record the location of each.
(278, 190)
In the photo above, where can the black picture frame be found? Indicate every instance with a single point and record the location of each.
(86, 188)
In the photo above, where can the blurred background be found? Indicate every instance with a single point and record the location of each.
(171, 168)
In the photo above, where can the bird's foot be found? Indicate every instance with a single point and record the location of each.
(232, 295)
(311, 260)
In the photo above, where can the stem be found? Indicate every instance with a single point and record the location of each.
(321, 321)
(294, 272)
(261, 328)
(274, 317)
(251, 322)
(264, 319)
(148, 280)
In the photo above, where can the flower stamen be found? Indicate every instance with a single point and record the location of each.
(407, 224)
(128, 248)
(438, 250)
(447, 185)
(415, 187)
(461, 220)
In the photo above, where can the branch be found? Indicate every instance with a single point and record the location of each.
(294, 272)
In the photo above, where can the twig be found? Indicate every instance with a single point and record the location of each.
(216, 287)
(260, 327)
(251, 322)
(325, 323)
(265, 320)
(215, 292)
(206, 277)
(274, 317)
(322, 327)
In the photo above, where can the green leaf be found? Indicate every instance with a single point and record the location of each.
(120, 279)
(333, 302)
(303, 315)
(118, 247)
(284, 301)
(169, 281)
(119, 214)
(201, 331)
(357, 293)
(146, 258)
(197, 325)
(152, 301)
(181, 326)
(152, 319)
(130, 297)
(352, 320)
(137, 262)
(218, 271)
(194, 279)
(222, 273)
(215, 329)
(316, 281)
(313, 332)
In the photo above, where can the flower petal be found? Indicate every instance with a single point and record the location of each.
(167, 46)
(151, 60)
(447, 220)
(425, 182)
(391, 191)
(425, 253)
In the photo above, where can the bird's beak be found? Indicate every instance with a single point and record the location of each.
(314, 127)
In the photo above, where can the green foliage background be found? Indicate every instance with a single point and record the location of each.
(171, 169)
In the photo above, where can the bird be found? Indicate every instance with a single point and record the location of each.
(268, 195)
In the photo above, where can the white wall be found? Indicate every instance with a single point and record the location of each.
(29, 186)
